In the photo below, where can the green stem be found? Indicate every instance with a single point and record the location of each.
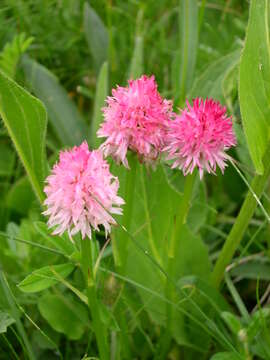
(93, 302)
(241, 223)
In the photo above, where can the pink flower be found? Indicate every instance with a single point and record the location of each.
(200, 136)
(136, 118)
(81, 193)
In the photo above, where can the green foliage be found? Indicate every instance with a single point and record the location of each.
(186, 57)
(5, 321)
(10, 55)
(25, 119)
(64, 314)
(145, 303)
(20, 196)
(226, 356)
(155, 206)
(101, 94)
(211, 82)
(61, 243)
(64, 117)
(254, 76)
(45, 277)
(96, 36)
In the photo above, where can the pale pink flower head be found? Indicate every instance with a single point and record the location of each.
(200, 136)
(135, 118)
(81, 193)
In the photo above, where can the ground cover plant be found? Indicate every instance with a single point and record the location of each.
(134, 179)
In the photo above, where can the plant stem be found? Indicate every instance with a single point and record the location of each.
(93, 302)
(241, 223)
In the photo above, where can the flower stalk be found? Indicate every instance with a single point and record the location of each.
(237, 232)
(93, 302)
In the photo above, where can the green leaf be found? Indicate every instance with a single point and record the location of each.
(214, 298)
(254, 83)
(152, 222)
(96, 36)
(232, 322)
(256, 323)
(5, 321)
(64, 314)
(7, 160)
(26, 121)
(188, 22)
(226, 356)
(13, 307)
(210, 82)
(254, 269)
(101, 94)
(64, 117)
(20, 196)
(44, 278)
(62, 243)
(10, 55)
(199, 209)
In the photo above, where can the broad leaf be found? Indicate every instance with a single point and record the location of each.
(64, 116)
(64, 314)
(20, 196)
(254, 83)
(7, 160)
(152, 222)
(26, 121)
(44, 278)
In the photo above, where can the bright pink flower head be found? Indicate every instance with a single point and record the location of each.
(81, 193)
(200, 136)
(136, 118)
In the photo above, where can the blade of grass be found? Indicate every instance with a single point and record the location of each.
(16, 316)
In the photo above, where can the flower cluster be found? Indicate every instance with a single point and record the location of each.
(81, 193)
(200, 136)
(136, 118)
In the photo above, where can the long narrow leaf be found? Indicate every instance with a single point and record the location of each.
(25, 119)
(64, 116)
